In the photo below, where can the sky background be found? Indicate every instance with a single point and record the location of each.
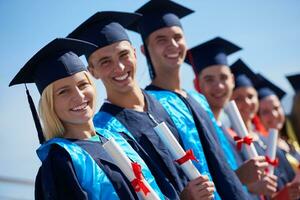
(268, 31)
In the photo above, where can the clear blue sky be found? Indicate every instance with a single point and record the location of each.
(267, 30)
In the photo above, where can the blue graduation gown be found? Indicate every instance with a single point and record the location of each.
(227, 183)
(150, 147)
(56, 178)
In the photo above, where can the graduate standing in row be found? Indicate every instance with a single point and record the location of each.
(272, 115)
(246, 98)
(74, 163)
(292, 125)
(213, 78)
(129, 110)
(165, 49)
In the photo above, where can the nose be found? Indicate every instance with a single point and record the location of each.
(120, 66)
(220, 85)
(174, 43)
(274, 113)
(78, 94)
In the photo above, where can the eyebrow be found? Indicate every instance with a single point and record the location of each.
(160, 37)
(61, 88)
(103, 58)
(124, 51)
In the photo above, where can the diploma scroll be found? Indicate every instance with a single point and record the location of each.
(177, 152)
(131, 170)
(271, 150)
(240, 128)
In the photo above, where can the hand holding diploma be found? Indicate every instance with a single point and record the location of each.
(179, 155)
(271, 150)
(131, 170)
(239, 126)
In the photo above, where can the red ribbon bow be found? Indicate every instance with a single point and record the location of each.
(189, 155)
(240, 141)
(138, 183)
(274, 162)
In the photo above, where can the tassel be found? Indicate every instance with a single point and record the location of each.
(35, 117)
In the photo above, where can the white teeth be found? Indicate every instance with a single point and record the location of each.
(175, 55)
(121, 78)
(82, 106)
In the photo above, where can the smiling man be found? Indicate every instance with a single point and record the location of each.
(165, 49)
(129, 110)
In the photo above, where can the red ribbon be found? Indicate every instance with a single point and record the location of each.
(240, 141)
(138, 183)
(274, 162)
(189, 155)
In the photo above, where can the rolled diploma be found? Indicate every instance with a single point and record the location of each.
(239, 126)
(176, 150)
(123, 162)
(271, 147)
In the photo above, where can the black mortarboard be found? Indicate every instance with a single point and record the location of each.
(212, 52)
(294, 81)
(157, 14)
(57, 60)
(266, 88)
(243, 75)
(105, 28)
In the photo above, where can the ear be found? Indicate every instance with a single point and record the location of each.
(233, 80)
(197, 84)
(92, 70)
(142, 49)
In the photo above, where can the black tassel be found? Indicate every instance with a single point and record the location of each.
(149, 62)
(35, 117)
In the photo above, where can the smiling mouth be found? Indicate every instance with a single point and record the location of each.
(172, 56)
(80, 107)
(122, 78)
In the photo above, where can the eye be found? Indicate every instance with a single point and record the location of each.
(161, 40)
(124, 54)
(62, 92)
(177, 37)
(83, 85)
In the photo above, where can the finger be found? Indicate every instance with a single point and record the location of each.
(259, 158)
(198, 180)
(205, 185)
(206, 192)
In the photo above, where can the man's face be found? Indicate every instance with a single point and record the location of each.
(167, 48)
(115, 65)
(216, 83)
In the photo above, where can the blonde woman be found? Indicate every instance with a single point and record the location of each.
(74, 163)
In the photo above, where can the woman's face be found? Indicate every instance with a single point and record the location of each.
(246, 101)
(73, 99)
(271, 112)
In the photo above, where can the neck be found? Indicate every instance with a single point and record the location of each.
(216, 112)
(171, 83)
(133, 99)
(80, 131)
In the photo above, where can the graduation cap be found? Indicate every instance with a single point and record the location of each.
(212, 52)
(157, 14)
(243, 75)
(266, 88)
(105, 28)
(57, 60)
(294, 81)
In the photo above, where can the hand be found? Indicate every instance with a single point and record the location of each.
(200, 188)
(266, 186)
(251, 170)
(293, 190)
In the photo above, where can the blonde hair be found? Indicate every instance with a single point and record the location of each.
(52, 125)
